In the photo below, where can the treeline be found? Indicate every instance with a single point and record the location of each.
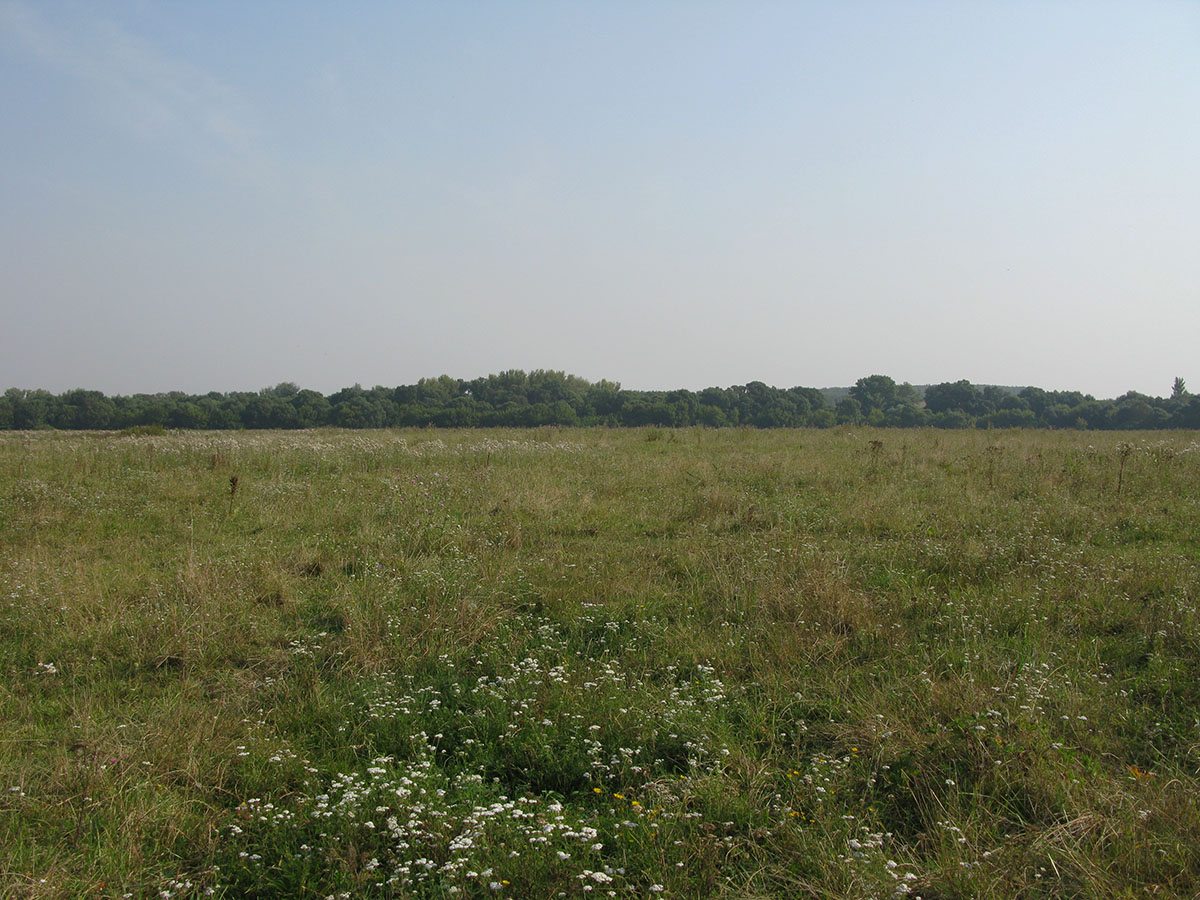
(523, 399)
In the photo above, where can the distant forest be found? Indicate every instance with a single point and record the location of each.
(522, 399)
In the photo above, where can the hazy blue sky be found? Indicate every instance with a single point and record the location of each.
(218, 196)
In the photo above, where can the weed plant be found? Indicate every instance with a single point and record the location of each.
(567, 663)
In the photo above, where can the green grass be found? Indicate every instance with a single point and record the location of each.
(742, 664)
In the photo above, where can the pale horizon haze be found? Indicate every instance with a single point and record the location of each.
(221, 196)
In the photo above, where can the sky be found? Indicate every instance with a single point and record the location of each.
(224, 196)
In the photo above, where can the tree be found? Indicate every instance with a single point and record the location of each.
(312, 409)
(268, 410)
(1037, 400)
(875, 392)
(151, 409)
(951, 418)
(960, 395)
(1179, 389)
(908, 415)
(721, 398)
(808, 400)
(765, 406)
(883, 402)
(437, 391)
(606, 400)
(355, 411)
(848, 411)
(1135, 411)
(710, 416)
(993, 398)
(30, 409)
(549, 386)
(285, 390)
(1012, 417)
(1188, 413)
(217, 413)
(186, 414)
(685, 405)
(500, 390)
(822, 418)
(85, 409)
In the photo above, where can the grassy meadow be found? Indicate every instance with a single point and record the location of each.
(603, 663)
